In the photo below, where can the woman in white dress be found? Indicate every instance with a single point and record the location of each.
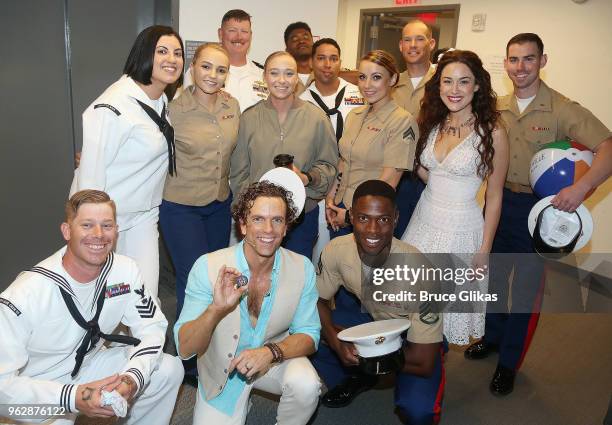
(461, 144)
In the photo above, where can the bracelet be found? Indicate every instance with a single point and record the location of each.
(277, 353)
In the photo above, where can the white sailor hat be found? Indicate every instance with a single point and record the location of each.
(286, 178)
(379, 344)
(558, 232)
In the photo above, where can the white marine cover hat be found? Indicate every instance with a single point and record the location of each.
(286, 178)
(559, 232)
(378, 343)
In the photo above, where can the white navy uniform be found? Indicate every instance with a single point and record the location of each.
(246, 84)
(126, 155)
(40, 339)
(351, 99)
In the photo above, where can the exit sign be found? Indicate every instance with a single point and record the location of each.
(405, 2)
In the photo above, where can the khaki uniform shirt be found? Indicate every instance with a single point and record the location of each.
(301, 87)
(306, 134)
(340, 265)
(371, 141)
(549, 117)
(204, 143)
(409, 97)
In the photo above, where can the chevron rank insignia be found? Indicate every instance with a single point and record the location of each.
(147, 309)
(409, 134)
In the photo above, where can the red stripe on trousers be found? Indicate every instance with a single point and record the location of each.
(437, 409)
(533, 321)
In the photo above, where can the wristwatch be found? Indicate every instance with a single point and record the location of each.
(347, 218)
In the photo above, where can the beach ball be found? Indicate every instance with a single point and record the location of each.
(558, 165)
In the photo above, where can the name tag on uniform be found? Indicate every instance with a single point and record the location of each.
(259, 87)
(537, 128)
(227, 117)
(118, 289)
(354, 100)
(373, 128)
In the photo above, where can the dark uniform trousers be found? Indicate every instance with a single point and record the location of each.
(303, 236)
(419, 399)
(409, 192)
(513, 331)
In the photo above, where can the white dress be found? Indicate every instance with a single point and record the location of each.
(448, 219)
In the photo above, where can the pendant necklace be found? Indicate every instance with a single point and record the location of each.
(455, 131)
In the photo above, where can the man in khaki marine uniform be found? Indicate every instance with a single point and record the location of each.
(420, 384)
(416, 46)
(534, 114)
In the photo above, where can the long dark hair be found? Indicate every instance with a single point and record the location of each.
(434, 111)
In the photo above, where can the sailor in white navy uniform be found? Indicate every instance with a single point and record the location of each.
(55, 318)
(245, 78)
(336, 97)
(128, 145)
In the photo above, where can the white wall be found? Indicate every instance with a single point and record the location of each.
(200, 19)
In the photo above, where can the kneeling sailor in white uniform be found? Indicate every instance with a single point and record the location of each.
(55, 318)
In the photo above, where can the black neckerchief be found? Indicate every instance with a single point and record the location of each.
(166, 129)
(333, 111)
(93, 333)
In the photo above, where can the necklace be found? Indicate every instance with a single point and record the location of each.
(455, 131)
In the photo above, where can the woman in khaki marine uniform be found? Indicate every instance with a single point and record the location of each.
(195, 211)
(285, 124)
(377, 141)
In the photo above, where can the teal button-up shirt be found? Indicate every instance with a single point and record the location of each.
(199, 295)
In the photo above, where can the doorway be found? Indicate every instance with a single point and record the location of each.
(382, 28)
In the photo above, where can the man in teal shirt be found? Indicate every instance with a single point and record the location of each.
(257, 335)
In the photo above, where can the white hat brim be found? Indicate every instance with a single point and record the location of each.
(366, 335)
(583, 212)
(286, 178)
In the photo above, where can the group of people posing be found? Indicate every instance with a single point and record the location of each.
(390, 164)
